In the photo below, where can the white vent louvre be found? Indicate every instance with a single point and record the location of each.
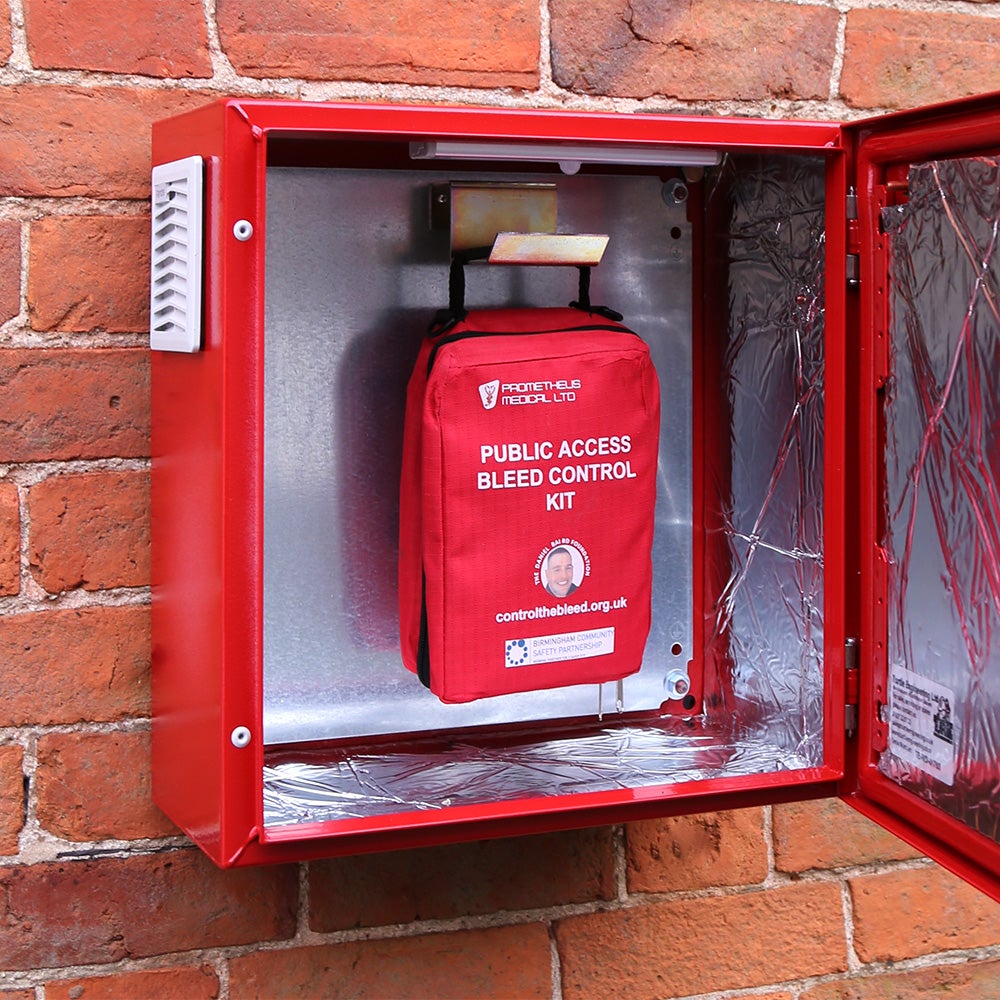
(176, 256)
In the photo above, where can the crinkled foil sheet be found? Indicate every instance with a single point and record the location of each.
(301, 788)
(765, 653)
(769, 618)
(942, 455)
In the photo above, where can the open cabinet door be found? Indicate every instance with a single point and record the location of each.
(927, 610)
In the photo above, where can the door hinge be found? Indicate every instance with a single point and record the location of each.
(851, 687)
(853, 270)
(853, 240)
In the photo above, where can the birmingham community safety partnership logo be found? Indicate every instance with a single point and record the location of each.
(489, 392)
(517, 652)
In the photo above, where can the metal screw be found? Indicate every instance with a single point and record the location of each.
(676, 684)
(243, 230)
(675, 192)
(240, 737)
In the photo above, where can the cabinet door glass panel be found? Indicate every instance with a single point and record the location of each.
(942, 453)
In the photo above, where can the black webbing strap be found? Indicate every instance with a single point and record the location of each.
(456, 311)
(583, 301)
(456, 278)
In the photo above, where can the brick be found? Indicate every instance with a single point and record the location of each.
(11, 797)
(464, 879)
(67, 403)
(166, 38)
(905, 58)
(966, 981)
(164, 984)
(90, 531)
(493, 43)
(693, 51)
(497, 962)
(10, 269)
(63, 667)
(10, 539)
(827, 833)
(89, 273)
(690, 946)
(82, 141)
(696, 852)
(5, 46)
(97, 786)
(904, 914)
(90, 912)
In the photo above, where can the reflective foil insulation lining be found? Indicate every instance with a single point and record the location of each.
(304, 788)
(943, 498)
(763, 702)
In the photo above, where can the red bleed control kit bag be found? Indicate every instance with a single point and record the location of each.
(527, 500)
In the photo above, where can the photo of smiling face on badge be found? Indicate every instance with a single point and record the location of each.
(563, 571)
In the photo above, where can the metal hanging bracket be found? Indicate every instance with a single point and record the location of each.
(577, 250)
(518, 220)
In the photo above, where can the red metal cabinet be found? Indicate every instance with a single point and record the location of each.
(821, 501)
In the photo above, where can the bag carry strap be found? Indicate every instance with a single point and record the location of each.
(456, 310)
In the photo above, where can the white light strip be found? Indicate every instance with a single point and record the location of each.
(568, 156)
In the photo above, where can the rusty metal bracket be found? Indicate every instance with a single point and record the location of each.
(473, 213)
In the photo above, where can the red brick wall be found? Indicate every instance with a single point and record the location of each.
(101, 896)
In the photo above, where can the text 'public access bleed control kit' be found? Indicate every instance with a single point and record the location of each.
(520, 470)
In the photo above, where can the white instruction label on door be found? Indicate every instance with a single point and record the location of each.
(922, 729)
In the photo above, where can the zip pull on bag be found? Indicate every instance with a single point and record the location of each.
(527, 499)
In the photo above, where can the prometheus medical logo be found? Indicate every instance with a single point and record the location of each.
(488, 393)
(517, 652)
